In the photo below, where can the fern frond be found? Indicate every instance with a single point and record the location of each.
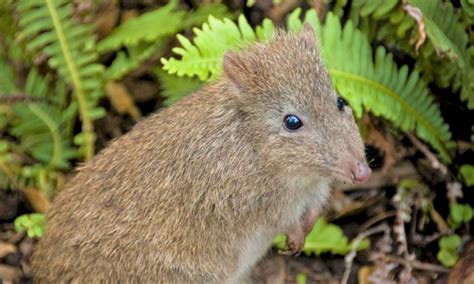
(46, 26)
(380, 87)
(154, 25)
(203, 57)
(443, 28)
(164, 21)
(8, 169)
(174, 88)
(446, 33)
(7, 87)
(7, 22)
(131, 59)
(468, 11)
(43, 126)
(40, 127)
(202, 13)
(377, 9)
(7, 79)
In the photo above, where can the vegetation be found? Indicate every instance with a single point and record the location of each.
(405, 67)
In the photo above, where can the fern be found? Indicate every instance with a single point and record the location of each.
(154, 25)
(7, 79)
(203, 58)
(47, 27)
(443, 28)
(131, 59)
(7, 27)
(201, 14)
(39, 125)
(380, 87)
(468, 11)
(377, 9)
(174, 88)
(161, 22)
(446, 33)
(151, 40)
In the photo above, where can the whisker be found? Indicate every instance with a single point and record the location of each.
(370, 161)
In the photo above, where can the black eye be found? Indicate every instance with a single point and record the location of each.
(340, 103)
(292, 122)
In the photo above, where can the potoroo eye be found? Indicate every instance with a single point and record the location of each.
(292, 122)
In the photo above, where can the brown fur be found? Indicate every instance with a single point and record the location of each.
(195, 193)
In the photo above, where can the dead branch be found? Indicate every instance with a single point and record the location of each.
(349, 258)
(417, 264)
(435, 163)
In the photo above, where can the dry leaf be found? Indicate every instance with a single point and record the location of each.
(37, 199)
(416, 14)
(121, 99)
(106, 19)
(365, 272)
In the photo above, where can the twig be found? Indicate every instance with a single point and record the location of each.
(435, 163)
(418, 264)
(349, 259)
(378, 218)
(443, 228)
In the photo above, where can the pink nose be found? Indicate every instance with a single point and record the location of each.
(361, 172)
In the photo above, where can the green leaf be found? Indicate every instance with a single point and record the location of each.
(467, 173)
(448, 247)
(294, 23)
(459, 214)
(280, 242)
(447, 258)
(409, 183)
(301, 278)
(326, 237)
(34, 224)
(266, 30)
(323, 238)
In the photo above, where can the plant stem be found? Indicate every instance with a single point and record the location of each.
(87, 125)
